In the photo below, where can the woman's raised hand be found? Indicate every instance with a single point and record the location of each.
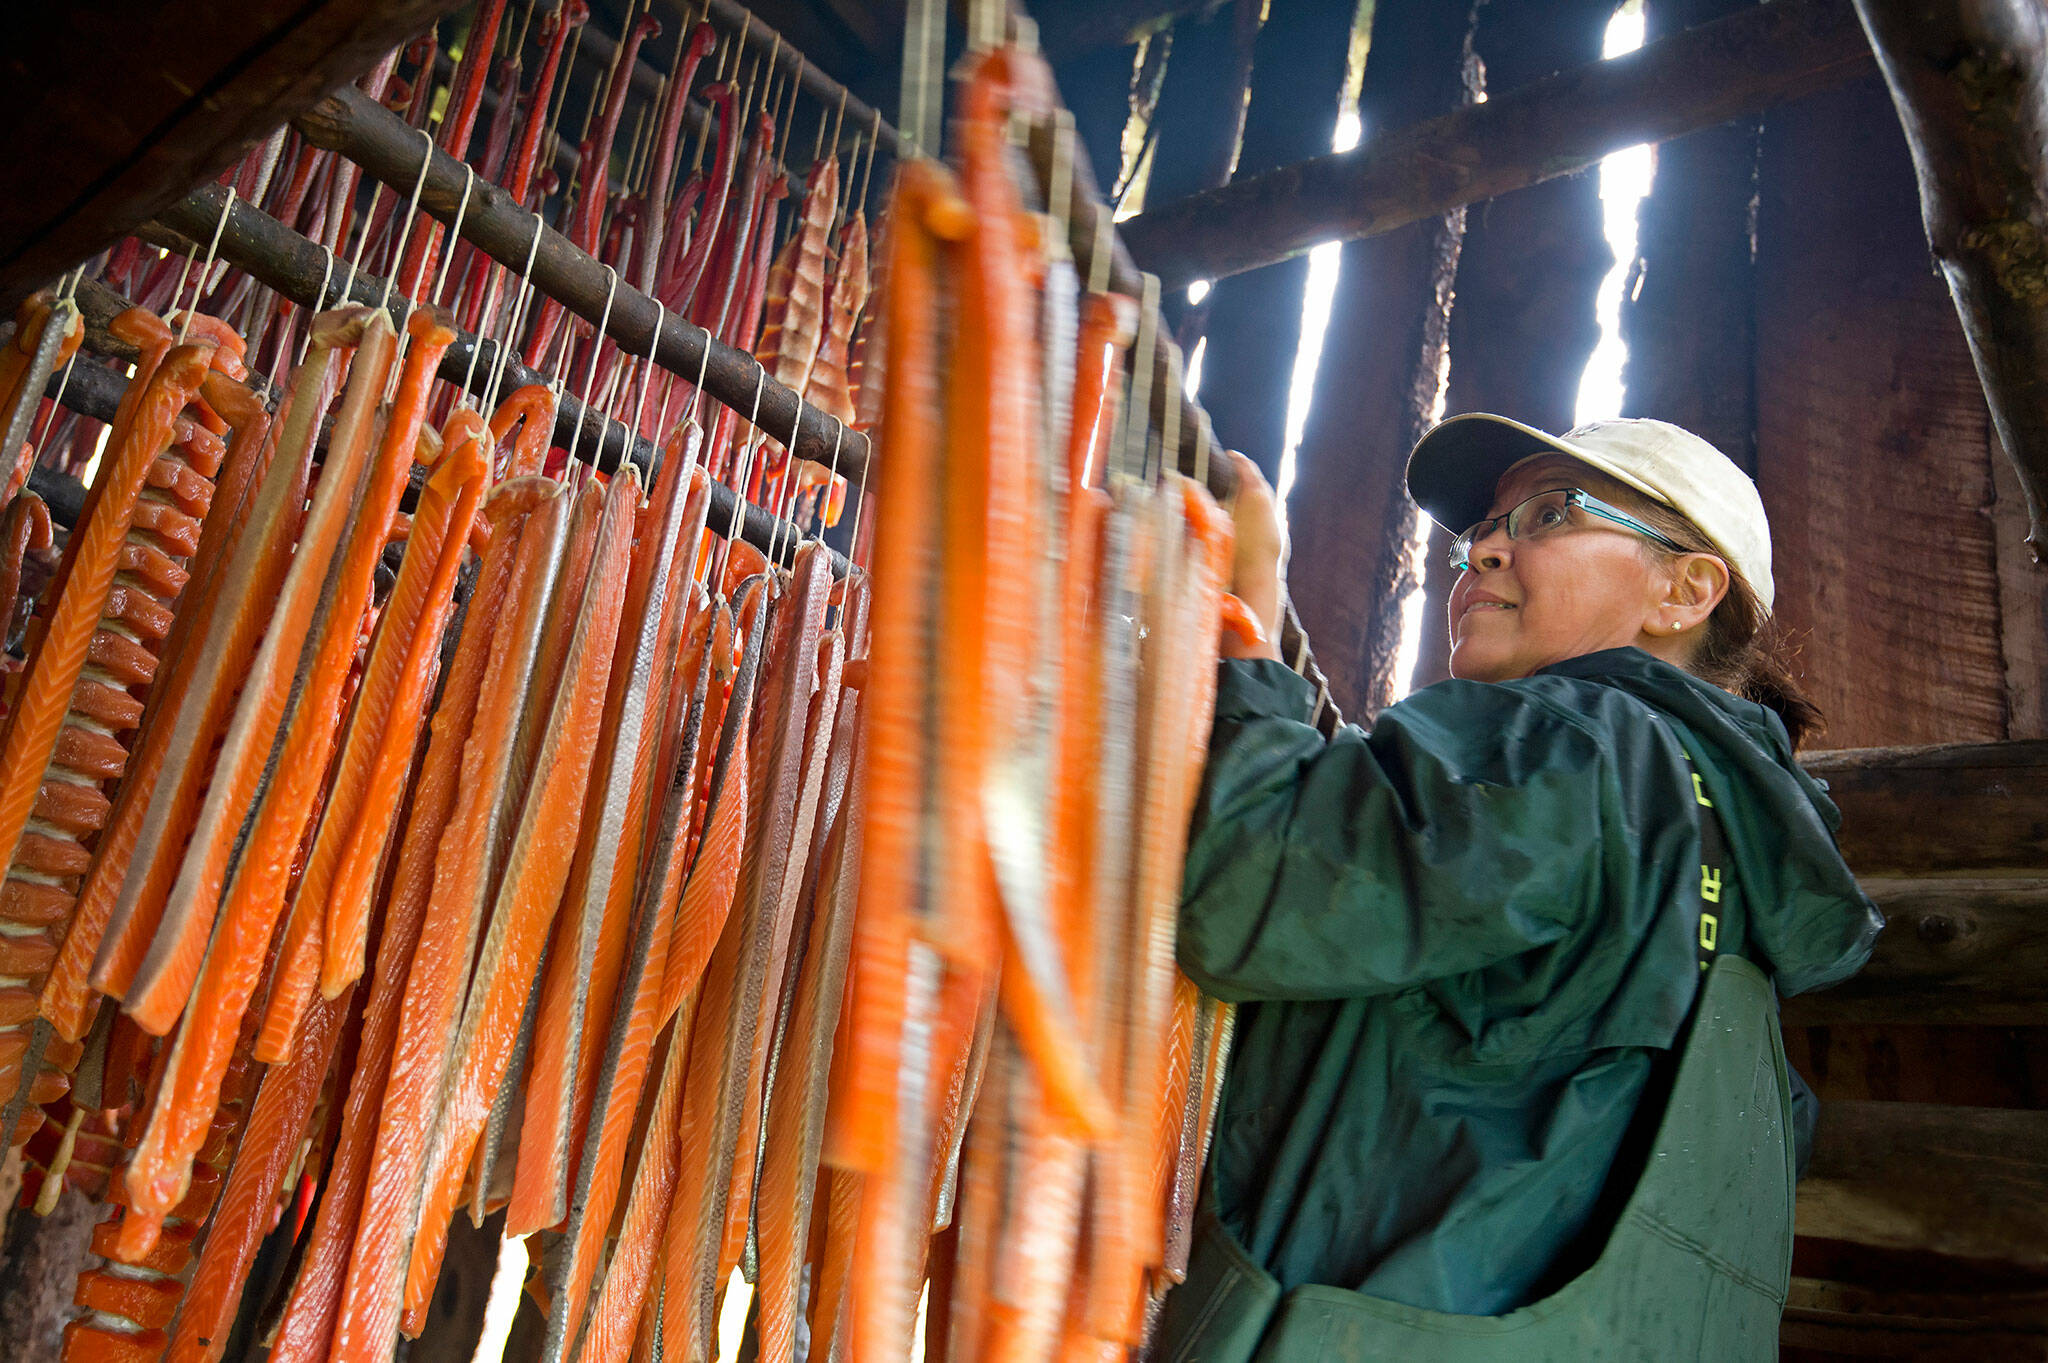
(1259, 569)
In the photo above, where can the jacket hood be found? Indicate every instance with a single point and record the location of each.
(1808, 916)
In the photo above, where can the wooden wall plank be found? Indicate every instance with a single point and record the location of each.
(1966, 807)
(1954, 950)
(1872, 436)
(1379, 384)
(1688, 317)
(1956, 1180)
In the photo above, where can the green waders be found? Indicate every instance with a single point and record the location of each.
(1695, 1270)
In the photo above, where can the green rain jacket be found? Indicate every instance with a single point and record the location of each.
(1465, 947)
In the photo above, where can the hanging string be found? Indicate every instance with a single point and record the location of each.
(319, 303)
(498, 360)
(647, 371)
(412, 209)
(590, 374)
(782, 505)
(824, 501)
(739, 485)
(454, 236)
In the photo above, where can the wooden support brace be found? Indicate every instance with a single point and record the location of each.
(1971, 85)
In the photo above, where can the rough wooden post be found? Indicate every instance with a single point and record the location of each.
(1689, 318)
(1970, 79)
(1254, 323)
(1379, 383)
(1528, 273)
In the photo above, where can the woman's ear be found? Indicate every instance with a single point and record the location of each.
(1698, 583)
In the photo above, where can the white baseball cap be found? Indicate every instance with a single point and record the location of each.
(1457, 463)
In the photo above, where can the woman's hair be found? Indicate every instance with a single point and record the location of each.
(1742, 647)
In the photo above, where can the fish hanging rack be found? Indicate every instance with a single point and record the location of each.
(357, 127)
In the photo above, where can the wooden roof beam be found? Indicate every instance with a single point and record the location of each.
(1971, 85)
(1552, 127)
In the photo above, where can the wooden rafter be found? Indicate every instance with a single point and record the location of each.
(1553, 127)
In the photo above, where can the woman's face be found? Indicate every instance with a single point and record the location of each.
(1525, 604)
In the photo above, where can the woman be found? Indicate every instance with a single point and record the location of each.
(1468, 943)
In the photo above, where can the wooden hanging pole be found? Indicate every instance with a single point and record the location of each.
(373, 137)
(301, 270)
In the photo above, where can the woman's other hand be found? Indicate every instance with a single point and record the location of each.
(1259, 569)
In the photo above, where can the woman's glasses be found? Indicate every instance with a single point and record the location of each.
(1546, 513)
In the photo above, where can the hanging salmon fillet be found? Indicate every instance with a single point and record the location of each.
(259, 880)
(583, 973)
(250, 451)
(373, 1286)
(308, 1322)
(531, 884)
(226, 969)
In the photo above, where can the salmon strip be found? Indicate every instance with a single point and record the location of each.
(307, 1326)
(615, 1317)
(869, 1130)
(1099, 1306)
(25, 527)
(83, 579)
(374, 1284)
(465, 467)
(728, 1061)
(584, 968)
(259, 882)
(831, 1302)
(795, 1126)
(628, 1048)
(792, 928)
(277, 1124)
(226, 968)
(252, 575)
(530, 889)
(247, 458)
(383, 730)
(925, 205)
(532, 409)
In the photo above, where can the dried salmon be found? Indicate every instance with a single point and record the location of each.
(83, 579)
(586, 967)
(628, 1048)
(531, 883)
(531, 410)
(307, 1327)
(226, 969)
(328, 931)
(257, 890)
(278, 1122)
(251, 579)
(374, 1284)
(794, 1131)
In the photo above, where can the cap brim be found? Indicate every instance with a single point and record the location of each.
(1454, 467)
